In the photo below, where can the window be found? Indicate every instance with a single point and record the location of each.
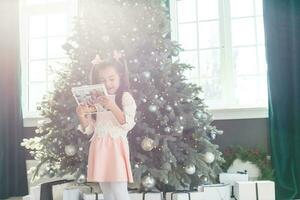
(224, 40)
(44, 26)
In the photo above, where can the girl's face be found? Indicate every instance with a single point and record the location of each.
(110, 78)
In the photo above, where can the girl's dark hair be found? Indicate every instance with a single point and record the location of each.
(121, 69)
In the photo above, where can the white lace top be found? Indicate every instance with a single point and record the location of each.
(107, 123)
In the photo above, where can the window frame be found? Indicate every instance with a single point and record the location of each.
(25, 10)
(227, 71)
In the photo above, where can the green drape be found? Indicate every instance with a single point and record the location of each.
(13, 178)
(282, 31)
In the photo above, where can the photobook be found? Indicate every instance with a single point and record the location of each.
(88, 95)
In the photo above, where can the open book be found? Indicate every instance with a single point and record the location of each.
(88, 95)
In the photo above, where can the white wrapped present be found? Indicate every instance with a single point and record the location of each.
(254, 190)
(75, 192)
(245, 190)
(35, 192)
(27, 197)
(146, 196)
(185, 195)
(58, 190)
(265, 190)
(216, 191)
(93, 196)
(231, 178)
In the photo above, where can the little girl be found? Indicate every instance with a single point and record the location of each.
(108, 161)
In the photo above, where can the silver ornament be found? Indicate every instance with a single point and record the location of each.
(148, 182)
(209, 157)
(70, 150)
(146, 74)
(147, 144)
(168, 108)
(152, 108)
(167, 129)
(213, 136)
(81, 179)
(190, 169)
(203, 180)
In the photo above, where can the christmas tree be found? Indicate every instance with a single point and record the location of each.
(170, 146)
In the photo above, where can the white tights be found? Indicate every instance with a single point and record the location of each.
(114, 190)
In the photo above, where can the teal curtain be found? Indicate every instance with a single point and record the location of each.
(282, 33)
(13, 178)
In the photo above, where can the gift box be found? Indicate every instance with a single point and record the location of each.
(265, 190)
(245, 190)
(35, 192)
(75, 192)
(216, 191)
(27, 197)
(93, 196)
(185, 195)
(54, 190)
(146, 196)
(231, 178)
(254, 190)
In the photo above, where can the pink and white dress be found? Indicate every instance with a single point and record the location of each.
(108, 159)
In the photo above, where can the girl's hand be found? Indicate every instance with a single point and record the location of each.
(83, 109)
(106, 102)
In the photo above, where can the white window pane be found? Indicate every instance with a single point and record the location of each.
(188, 36)
(243, 31)
(247, 90)
(37, 26)
(208, 9)
(37, 71)
(37, 48)
(36, 92)
(263, 90)
(241, 8)
(211, 88)
(209, 63)
(259, 7)
(244, 60)
(57, 24)
(260, 30)
(262, 60)
(55, 49)
(190, 57)
(209, 34)
(186, 10)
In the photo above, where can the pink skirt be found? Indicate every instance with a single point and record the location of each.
(109, 160)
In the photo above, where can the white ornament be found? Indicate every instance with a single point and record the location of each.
(147, 144)
(190, 169)
(209, 157)
(148, 182)
(70, 150)
(152, 108)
